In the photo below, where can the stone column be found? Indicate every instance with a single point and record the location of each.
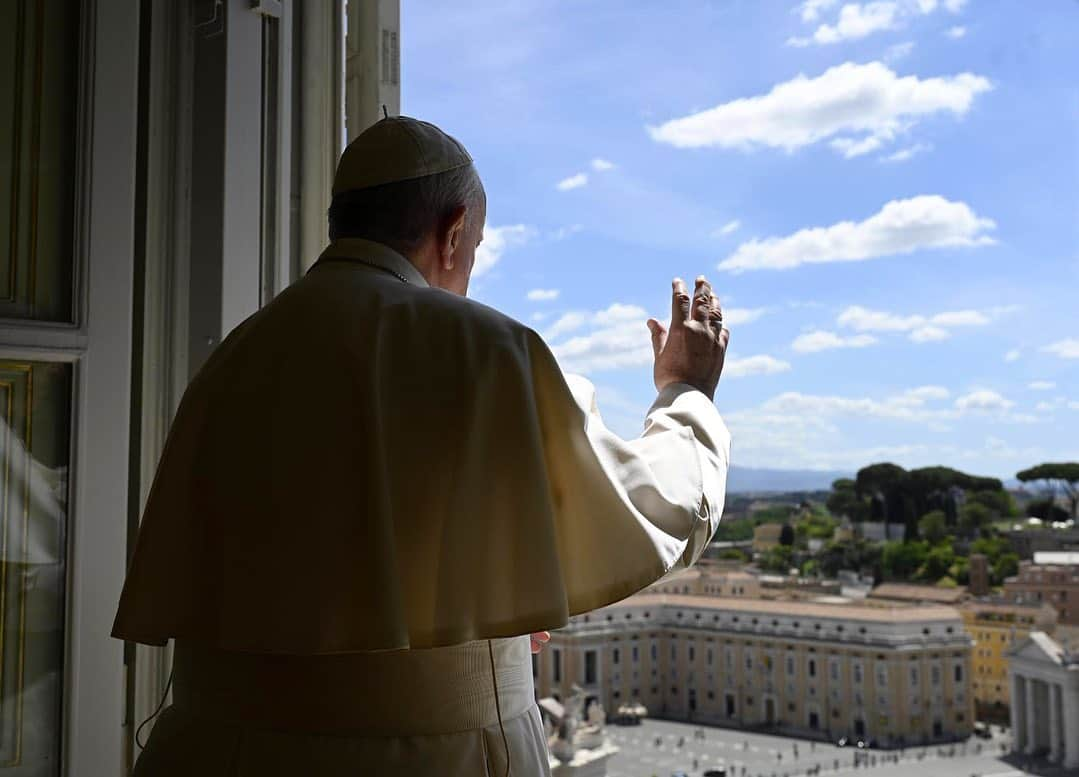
(1070, 704)
(1054, 722)
(1018, 713)
(1032, 717)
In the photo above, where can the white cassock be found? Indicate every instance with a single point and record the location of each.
(372, 493)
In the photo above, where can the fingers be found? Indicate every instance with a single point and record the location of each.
(702, 300)
(539, 639)
(679, 302)
(659, 336)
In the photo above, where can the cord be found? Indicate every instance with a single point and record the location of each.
(156, 712)
(498, 706)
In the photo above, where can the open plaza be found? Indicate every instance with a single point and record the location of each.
(660, 748)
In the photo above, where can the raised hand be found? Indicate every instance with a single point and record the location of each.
(692, 349)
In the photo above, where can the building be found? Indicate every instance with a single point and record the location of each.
(702, 580)
(891, 674)
(1028, 541)
(997, 627)
(1045, 691)
(158, 187)
(1055, 584)
(909, 593)
(766, 536)
(979, 574)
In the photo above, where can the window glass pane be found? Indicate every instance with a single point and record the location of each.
(38, 98)
(35, 425)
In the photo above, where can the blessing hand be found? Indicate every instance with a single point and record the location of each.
(539, 639)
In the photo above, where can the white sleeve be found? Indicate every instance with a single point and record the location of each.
(685, 447)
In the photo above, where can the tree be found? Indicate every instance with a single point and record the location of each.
(786, 535)
(844, 501)
(1007, 565)
(1062, 475)
(974, 516)
(1000, 503)
(1047, 510)
(937, 562)
(901, 560)
(777, 559)
(933, 526)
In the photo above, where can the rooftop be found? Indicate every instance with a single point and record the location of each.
(908, 592)
(846, 611)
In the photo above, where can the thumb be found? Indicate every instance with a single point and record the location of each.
(659, 336)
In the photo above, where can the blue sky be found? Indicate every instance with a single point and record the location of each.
(885, 196)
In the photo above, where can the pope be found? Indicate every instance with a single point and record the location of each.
(378, 495)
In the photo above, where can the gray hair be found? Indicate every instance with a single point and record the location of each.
(402, 214)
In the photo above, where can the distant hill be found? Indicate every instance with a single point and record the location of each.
(747, 480)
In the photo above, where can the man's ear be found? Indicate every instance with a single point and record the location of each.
(453, 232)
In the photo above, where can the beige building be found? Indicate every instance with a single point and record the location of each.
(909, 593)
(996, 628)
(766, 536)
(895, 675)
(1055, 584)
(702, 580)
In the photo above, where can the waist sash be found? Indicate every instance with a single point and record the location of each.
(388, 693)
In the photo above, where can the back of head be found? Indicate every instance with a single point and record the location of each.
(398, 180)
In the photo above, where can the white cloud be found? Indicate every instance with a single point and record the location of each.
(1041, 385)
(921, 329)
(540, 316)
(929, 334)
(616, 338)
(737, 316)
(810, 9)
(495, 242)
(899, 51)
(600, 165)
(956, 32)
(726, 229)
(573, 182)
(850, 148)
(929, 392)
(865, 320)
(812, 342)
(858, 20)
(567, 322)
(1065, 349)
(983, 401)
(956, 318)
(900, 227)
(754, 365)
(563, 232)
(850, 101)
(543, 295)
(1013, 355)
(903, 154)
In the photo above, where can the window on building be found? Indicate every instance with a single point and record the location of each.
(692, 653)
(834, 670)
(636, 654)
(589, 667)
(959, 673)
(616, 655)
(812, 667)
(790, 666)
(709, 657)
(934, 675)
(556, 665)
(857, 669)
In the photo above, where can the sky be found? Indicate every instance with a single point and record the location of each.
(884, 195)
